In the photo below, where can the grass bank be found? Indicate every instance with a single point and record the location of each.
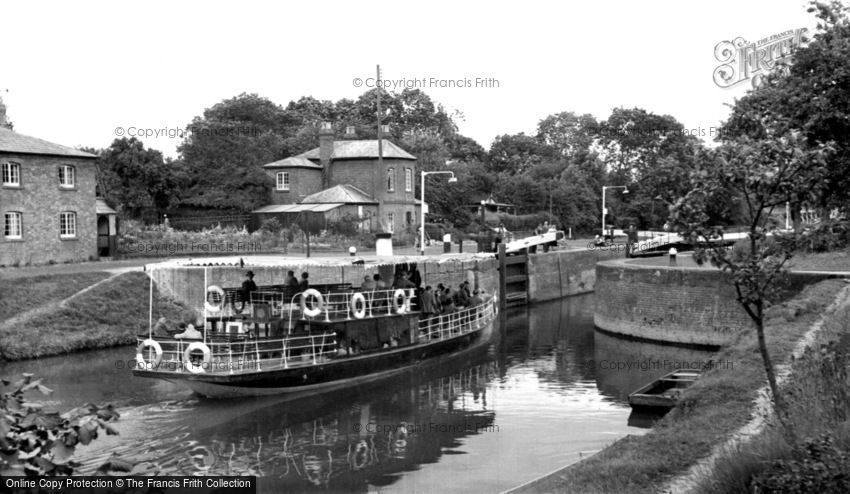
(818, 393)
(21, 295)
(109, 314)
(717, 405)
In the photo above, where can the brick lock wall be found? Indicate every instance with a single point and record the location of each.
(302, 183)
(41, 200)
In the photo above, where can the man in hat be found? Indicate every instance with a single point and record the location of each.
(248, 287)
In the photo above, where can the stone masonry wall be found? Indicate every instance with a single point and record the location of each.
(40, 199)
(560, 274)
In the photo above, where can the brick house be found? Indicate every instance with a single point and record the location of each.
(47, 200)
(346, 178)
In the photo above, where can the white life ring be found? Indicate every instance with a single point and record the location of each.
(355, 299)
(187, 357)
(140, 356)
(320, 303)
(213, 308)
(400, 307)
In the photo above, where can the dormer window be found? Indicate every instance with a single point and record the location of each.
(390, 179)
(66, 177)
(11, 174)
(282, 181)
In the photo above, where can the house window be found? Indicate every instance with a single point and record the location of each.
(66, 176)
(282, 180)
(12, 174)
(391, 221)
(408, 180)
(14, 227)
(67, 225)
(408, 216)
(390, 179)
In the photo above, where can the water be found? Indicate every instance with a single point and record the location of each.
(539, 394)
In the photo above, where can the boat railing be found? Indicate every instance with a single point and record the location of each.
(233, 356)
(337, 306)
(466, 320)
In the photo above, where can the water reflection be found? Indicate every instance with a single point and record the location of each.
(533, 397)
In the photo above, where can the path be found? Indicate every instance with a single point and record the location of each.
(44, 309)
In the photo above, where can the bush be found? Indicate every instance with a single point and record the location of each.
(827, 236)
(34, 442)
(816, 466)
(163, 240)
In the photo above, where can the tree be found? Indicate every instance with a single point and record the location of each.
(226, 148)
(813, 98)
(135, 178)
(766, 173)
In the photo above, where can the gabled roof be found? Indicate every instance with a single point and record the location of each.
(100, 207)
(12, 142)
(348, 150)
(344, 193)
(293, 162)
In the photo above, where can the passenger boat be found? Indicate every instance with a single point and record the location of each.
(664, 392)
(313, 341)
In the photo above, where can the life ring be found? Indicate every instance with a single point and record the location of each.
(140, 356)
(400, 307)
(214, 308)
(187, 357)
(320, 303)
(361, 312)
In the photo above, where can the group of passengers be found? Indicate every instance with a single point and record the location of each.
(444, 300)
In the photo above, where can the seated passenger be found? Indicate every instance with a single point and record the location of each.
(190, 334)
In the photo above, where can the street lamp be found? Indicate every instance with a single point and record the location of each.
(452, 180)
(604, 210)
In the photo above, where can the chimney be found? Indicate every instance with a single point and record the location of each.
(326, 149)
(3, 122)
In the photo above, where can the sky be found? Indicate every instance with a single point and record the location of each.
(74, 72)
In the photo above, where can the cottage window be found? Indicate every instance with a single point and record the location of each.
(390, 179)
(66, 176)
(14, 226)
(391, 221)
(282, 180)
(68, 225)
(12, 174)
(408, 180)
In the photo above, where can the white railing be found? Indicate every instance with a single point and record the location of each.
(463, 321)
(337, 306)
(243, 355)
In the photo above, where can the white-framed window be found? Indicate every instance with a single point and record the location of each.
(408, 180)
(390, 179)
(13, 228)
(11, 174)
(67, 224)
(67, 176)
(391, 221)
(282, 180)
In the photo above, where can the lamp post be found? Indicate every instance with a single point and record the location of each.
(453, 179)
(604, 210)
